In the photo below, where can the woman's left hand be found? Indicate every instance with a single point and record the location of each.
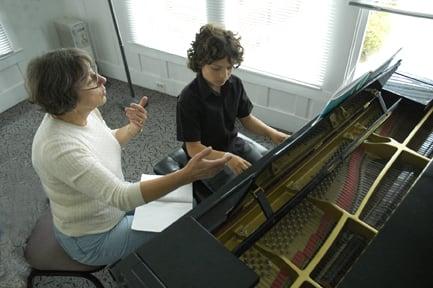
(136, 114)
(277, 137)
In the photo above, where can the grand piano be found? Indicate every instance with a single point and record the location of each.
(308, 212)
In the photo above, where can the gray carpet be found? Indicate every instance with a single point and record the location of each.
(22, 199)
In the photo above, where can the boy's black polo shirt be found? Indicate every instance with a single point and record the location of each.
(209, 117)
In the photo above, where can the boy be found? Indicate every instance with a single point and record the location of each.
(207, 108)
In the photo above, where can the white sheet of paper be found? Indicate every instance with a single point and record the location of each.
(181, 194)
(159, 214)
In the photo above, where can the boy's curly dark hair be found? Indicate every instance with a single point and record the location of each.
(213, 43)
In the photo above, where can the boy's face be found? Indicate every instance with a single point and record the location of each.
(217, 73)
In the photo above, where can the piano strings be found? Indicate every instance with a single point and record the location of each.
(422, 143)
(270, 274)
(299, 234)
(295, 239)
(348, 184)
(384, 201)
(338, 259)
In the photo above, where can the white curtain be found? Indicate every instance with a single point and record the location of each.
(288, 39)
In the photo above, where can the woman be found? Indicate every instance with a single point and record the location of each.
(78, 160)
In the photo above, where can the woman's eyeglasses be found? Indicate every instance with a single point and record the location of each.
(96, 79)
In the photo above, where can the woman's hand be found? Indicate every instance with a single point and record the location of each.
(277, 137)
(137, 115)
(237, 164)
(200, 168)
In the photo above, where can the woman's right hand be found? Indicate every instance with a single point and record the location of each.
(237, 164)
(200, 168)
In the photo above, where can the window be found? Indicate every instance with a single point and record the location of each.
(165, 25)
(387, 32)
(288, 39)
(5, 44)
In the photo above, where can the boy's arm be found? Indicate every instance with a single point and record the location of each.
(236, 163)
(257, 126)
(196, 147)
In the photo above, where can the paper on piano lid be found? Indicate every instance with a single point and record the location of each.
(161, 213)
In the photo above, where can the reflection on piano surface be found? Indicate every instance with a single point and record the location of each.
(304, 214)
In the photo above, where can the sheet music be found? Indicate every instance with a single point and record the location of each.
(347, 90)
(159, 214)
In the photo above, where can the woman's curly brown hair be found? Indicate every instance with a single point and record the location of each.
(213, 43)
(53, 79)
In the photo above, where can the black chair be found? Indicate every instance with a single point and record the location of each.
(47, 258)
(177, 159)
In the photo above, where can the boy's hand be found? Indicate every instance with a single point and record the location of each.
(200, 168)
(237, 164)
(277, 137)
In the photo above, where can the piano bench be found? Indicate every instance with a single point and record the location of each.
(47, 258)
(174, 161)
(177, 159)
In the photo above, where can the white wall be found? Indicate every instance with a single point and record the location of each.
(29, 27)
(11, 81)
(280, 103)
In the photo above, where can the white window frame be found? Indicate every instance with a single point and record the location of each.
(399, 8)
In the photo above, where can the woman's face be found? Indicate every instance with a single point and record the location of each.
(91, 91)
(217, 73)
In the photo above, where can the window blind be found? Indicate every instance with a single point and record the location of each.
(290, 39)
(5, 44)
(287, 39)
(166, 25)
